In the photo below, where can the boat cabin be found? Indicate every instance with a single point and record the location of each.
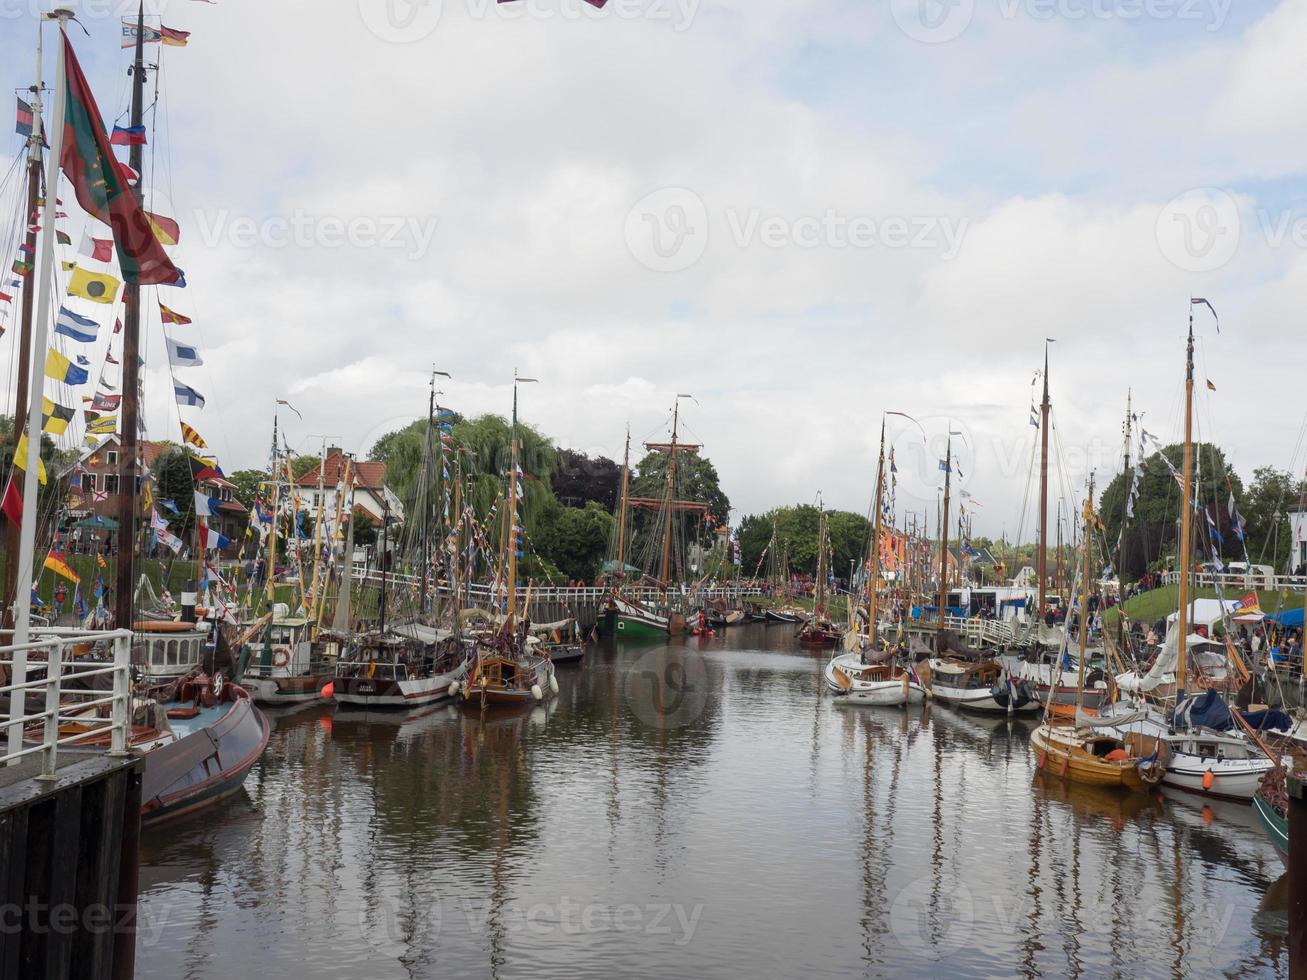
(166, 655)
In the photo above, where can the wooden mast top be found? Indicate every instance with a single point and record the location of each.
(873, 574)
(943, 532)
(1186, 514)
(1042, 557)
(1084, 597)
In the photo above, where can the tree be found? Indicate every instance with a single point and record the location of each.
(172, 476)
(580, 479)
(247, 484)
(574, 539)
(303, 464)
(796, 537)
(1152, 533)
(1271, 496)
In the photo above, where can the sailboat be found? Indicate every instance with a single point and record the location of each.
(410, 663)
(505, 668)
(624, 615)
(818, 632)
(1072, 747)
(1209, 747)
(199, 734)
(984, 685)
(868, 675)
(779, 576)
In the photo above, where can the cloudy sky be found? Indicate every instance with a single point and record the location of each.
(802, 212)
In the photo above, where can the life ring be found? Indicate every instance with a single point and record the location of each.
(280, 657)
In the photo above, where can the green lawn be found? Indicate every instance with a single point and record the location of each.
(1153, 605)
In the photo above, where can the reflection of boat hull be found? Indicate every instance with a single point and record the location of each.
(1275, 826)
(181, 776)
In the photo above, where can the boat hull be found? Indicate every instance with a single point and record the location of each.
(369, 692)
(272, 691)
(181, 776)
(1275, 826)
(1058, 750)
(634, 627)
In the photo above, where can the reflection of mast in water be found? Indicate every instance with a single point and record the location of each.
(495, 926)
(875, 871)
(1040, 831)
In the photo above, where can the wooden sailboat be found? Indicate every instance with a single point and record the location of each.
(1071, 747)
(818, 632)
(865, 675)
(623, 615)
(504, 670)
(785, 612)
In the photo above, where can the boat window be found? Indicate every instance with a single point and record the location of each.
(156, 653)
(172, 653)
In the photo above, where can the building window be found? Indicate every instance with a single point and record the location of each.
(111, 457)
(110, 484)
(88, 483)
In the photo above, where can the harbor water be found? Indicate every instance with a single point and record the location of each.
(698, 808)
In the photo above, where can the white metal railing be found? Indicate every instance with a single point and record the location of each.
(71, 703)
(1243, 580)
(587, 594)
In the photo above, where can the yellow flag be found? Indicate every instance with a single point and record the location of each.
(98, 287)
(20, 459)
(54, 417)
(105, 425)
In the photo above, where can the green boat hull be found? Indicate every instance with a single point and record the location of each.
(635, 628)
(1275, 826)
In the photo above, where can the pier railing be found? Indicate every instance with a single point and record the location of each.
(1244, 580)
(48, 684)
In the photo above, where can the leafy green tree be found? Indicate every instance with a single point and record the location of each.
(574, 539)
(1152, 534)
(696, 480)
(1271, 496)
(172, 475)
(303, 464)
(796, 536)
(247, 484)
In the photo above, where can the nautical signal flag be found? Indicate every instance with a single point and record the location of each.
(55, 562)
(169, 316)
(22, 268)
(127, 136)
(79, 328)
(100, 184)
(173, 37)
(105, 425)
(165, 229)
(60, 368)
(6, 298)
(105, 403)
(20, 458)
(23, 123)
(192, 438)
(187, 396)
(13, 501)
(183, 355)
(100, 249)
(1210, 386)
(62, 237)
(98, 287)
(54, 417)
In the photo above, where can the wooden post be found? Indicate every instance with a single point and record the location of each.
(1297, 866)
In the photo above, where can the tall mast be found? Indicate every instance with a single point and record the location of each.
(665, 570)
(319, 511)
(622, 507)
(12, 529)
(943, 531)
(42, 278)
(821, 561)
(1125, 507)
(129, 425)
(1084, 596)
(1186, 511)
(873, 578)
(270, 567)
(426, 501)
(383, 559)
(1043, 491)
(512, 507)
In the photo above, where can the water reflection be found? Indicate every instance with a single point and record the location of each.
(701, 809)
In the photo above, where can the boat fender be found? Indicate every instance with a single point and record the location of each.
(453, 689)
(1209, 779)
(329, 690)
(553, 683)
(536, 693)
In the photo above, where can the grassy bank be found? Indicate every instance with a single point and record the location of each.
(1157, 603)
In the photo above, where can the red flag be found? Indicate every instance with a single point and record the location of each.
(89, 164)
(6, 298)
(171, 316)
(117, 326)
(13, 502)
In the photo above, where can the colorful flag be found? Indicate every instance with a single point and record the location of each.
(54, 417)
(117, 326)
(60, 368)
(192, 438)
(201, 470)
(6, 298)
(22, 268)
(165, 229)
(20, 458)
(133, 30)
(127, 136)
(203, 504)
(100, 249)
(99, 558)
(105, 403)
(1210, 386)
(169, 316)
(13, 501)
(54, 561)
(104, 425)
(90, 166)
(62, 237)
(173, 37)
(98, 287)
(23, 125)
(187, 395)
(79, 328)
(183, 355)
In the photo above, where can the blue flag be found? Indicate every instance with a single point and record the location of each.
(80, 328)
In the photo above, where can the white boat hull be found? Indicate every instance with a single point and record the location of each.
(887, 693)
